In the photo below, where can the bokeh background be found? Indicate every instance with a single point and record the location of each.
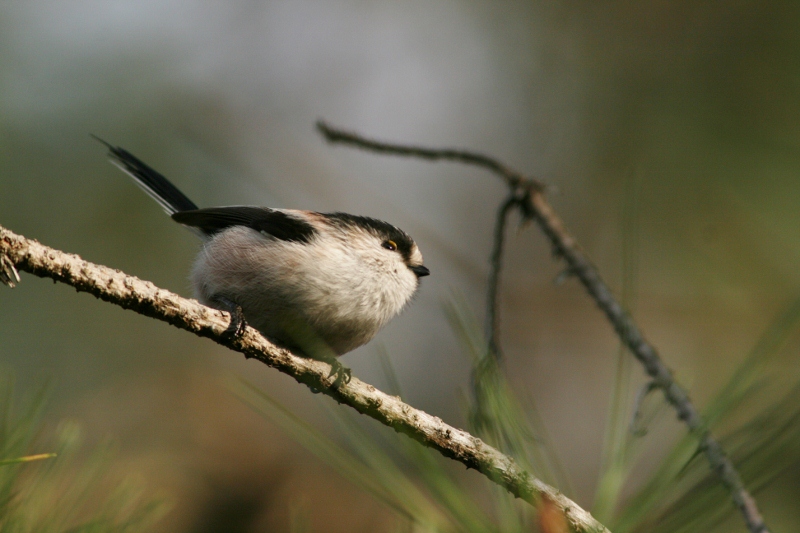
(669, 132)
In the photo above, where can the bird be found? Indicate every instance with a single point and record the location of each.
(322, 284)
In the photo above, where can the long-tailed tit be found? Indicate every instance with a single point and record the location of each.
(318, 282)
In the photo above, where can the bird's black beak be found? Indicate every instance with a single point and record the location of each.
(420, 270)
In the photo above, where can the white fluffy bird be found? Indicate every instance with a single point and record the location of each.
(318, 282)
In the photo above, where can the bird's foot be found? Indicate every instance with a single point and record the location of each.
(343, 374)
(8, 272)
(238, 323)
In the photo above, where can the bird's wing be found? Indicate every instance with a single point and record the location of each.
(277, 223)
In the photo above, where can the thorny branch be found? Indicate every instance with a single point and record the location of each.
(128, 292)
(535, 206)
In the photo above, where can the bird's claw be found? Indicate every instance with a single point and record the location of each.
(236, 328)
(8, 272)
(342, 373)
(238, 323)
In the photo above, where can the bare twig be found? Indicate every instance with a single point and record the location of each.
(145, 298)
(512, 178)
(496, 265)
(633, 427)
(487, 366)
(564, 245)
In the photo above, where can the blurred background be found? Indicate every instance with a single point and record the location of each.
(669, 132)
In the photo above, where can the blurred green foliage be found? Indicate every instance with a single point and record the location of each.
(68, 490)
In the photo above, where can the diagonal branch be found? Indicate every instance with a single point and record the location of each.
(128, 292)
(564, 245)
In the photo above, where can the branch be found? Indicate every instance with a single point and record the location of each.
(496, 265)
(564, 245)
(627, 330)
(511, 177)
(128, 292)
(487, 365)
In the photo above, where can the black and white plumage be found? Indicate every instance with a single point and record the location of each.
(313, 281)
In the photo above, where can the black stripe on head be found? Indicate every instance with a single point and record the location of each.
(270, 221)
(379, 228)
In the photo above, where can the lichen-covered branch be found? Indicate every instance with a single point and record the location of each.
(20, 253)
(535, 206)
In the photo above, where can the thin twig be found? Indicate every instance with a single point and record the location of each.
(564, 245)
(486, 366)
(145, 298)
(638, 402)
(512, 178)
(495, 266)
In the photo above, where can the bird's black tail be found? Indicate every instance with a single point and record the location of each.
(154, 184)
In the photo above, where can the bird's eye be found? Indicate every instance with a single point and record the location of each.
(389, 245)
